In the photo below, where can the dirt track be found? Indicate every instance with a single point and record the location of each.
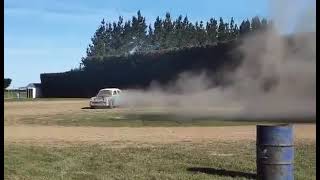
(54, 134)
(16, 132)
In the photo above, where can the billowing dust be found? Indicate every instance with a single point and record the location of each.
(277, 77)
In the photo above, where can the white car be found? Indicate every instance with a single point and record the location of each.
(108, 97)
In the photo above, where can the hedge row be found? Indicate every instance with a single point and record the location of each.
(139, 70)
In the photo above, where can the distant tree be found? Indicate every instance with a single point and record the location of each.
(139, 30)
(150, 39)
(255, 23)
(211, 29)
(192, 31)
(178, 32)
(157, 33)
(222, 35)
(126, 38)
(188, 32)
(107, 39)
(167, 30)
(227, 31)
(264, 24)
(201, 34)
(97, 47)
(116, 36)
(234, 30)
(245, 27)
(7, 82)
(123, 38)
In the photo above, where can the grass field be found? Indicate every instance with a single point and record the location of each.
(212, 160)
(123, 119)
(62, 139)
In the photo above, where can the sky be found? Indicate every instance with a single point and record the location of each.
(46, 36)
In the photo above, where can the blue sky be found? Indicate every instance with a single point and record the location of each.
(52, 35)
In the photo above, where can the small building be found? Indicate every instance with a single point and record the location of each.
(33, 90)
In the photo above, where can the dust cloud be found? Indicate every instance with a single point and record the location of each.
(277, 77)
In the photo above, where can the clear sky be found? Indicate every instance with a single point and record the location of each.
(52, 35)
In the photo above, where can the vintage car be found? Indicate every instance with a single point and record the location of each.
(108, 97)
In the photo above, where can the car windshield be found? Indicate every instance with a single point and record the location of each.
(104, 93)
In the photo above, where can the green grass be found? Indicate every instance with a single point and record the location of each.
(125, 119)
(105, 119)
(173, 161)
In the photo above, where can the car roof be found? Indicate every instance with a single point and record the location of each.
(111, 89)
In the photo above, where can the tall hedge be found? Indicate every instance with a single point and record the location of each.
(139, 70)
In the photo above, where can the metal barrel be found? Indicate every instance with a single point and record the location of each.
(275, 152)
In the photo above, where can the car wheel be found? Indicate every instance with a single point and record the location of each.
(111, 104)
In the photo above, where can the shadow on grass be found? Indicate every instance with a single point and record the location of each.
(222, 172)
(100, 107)
(86, 108)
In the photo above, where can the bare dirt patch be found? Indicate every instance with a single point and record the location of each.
(56, 134)
(43, 107)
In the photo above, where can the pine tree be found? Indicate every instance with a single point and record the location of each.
(221, 30)
(122, 38)
(167, 29)
(227, 31)
(235, 32)
(211, 29)
(245, 27)
(256, 24)
(201, 34)
(138, 33)
(178, 33)
(97, 47)
(186, 31)
(107, 39)
(117, 39)
(126, 38)
(192, 34)
(150, 39)
(158, 28)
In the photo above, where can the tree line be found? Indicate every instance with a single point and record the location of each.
(123, 38)
(132, 54)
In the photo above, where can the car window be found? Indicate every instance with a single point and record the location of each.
(118, 92)
(114, 93)
(103, 93)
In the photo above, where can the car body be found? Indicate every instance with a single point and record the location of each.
(107, 97)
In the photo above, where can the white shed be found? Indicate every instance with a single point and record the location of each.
(33, 90)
